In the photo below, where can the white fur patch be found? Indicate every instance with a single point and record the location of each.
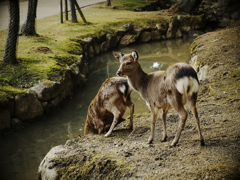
(187, 85)
(122, 88)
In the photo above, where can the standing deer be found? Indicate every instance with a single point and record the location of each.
(109, 106)
(173, 88)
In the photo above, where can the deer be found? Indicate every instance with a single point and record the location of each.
(107, 108)
(175, 87)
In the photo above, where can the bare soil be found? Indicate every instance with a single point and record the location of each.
(126, 153)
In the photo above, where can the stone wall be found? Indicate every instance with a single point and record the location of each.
(48, 95)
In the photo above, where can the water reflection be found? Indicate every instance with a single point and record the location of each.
(22, 151)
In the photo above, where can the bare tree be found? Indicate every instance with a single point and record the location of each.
(12, 37)
(73, 11)
(108, 3)
(28, 28)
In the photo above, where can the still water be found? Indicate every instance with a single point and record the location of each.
(22, 150)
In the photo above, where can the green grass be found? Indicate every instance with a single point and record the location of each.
(59, 45)
(131, 5)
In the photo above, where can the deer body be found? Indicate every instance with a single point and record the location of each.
(173, 88)
(108, 107)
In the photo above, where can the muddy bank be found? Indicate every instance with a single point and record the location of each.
(126, 154)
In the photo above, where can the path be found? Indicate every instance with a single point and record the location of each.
(45, 8)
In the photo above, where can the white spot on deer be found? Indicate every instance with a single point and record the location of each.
(122, 88)
(187, 85)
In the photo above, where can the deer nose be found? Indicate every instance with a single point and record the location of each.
(118, 73)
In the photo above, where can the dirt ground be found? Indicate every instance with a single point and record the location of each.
(126, 153)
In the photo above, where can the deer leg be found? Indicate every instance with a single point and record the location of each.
(164, 115)
(153, 122)
(117, 115)
(195, 113)
(131, 107)
(183, 116)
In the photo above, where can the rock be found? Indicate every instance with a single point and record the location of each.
(47, 168)
(75, 161)
(16, 122)
(4, 119)
(128, 27)
(111, 41)
(145, 36)
(173, 27)
(162, 27)
(8, 104)
(103, 46)
(156, 34)
(128, 39)
(27, 106)
(119, 34)
(47, 90)
(235, 16)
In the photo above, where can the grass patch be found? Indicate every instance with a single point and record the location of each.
(59, 45)
(131, 5)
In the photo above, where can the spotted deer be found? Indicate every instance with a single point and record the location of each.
(108, 107)
(173, 88)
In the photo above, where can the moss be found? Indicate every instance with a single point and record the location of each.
(130, 5)
(74, 46)
(95, 166)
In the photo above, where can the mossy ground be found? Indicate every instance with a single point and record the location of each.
(58, 45)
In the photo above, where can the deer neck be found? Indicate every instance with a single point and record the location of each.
(138, 79)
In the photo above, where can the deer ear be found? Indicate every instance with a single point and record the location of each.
(117, 55)
(135, 55)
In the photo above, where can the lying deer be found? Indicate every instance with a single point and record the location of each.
(108, 107)
(173, 88)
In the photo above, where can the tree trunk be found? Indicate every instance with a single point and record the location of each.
(187, 6)
(73, 11)
(108, 3)
(10, 56)
(28, 28)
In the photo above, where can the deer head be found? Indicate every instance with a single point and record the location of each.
(128, 63)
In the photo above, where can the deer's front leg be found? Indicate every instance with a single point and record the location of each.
(131, 107)
(164, 116)
(153, 122)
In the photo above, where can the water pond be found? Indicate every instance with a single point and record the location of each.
(23, 149)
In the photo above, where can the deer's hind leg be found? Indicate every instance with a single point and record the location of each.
(177, 104)
(117, 116)
(195, 114)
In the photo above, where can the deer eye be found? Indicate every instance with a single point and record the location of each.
(128, 63)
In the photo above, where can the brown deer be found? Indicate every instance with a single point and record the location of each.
(173, 88)
(108, 107)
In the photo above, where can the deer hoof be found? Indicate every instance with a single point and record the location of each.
(129, 126)
(150, 141)
(107, 135)
(164, 139)
(202, 143)
(173, 144)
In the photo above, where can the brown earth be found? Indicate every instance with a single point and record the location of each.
(126, 154)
